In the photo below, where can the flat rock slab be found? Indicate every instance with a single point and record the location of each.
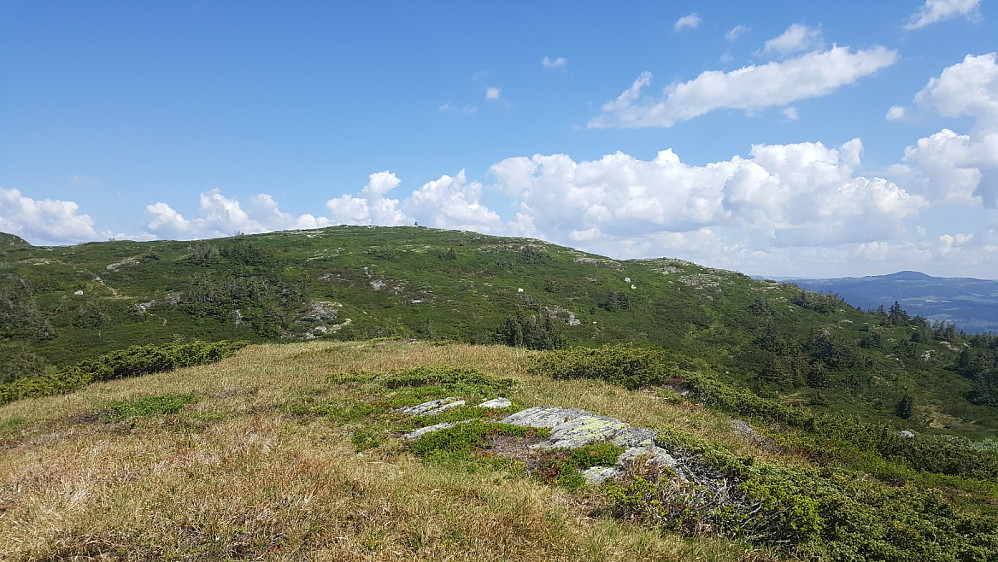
(601, 474)
(428, 429)
(497, 403)
(432, 407)
(643, 458)
(572, 428)
(765, 443)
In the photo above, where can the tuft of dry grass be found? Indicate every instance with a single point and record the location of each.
(235, 476)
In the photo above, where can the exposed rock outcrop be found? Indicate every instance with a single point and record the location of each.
(571, 428)
(433, 407)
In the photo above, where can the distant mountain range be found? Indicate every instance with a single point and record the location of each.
(971, 304)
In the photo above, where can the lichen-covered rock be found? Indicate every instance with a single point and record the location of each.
(765, 443)
(572, 428)
(319, 312)
(653, 456)
(497, 403)
(432, 407)
(597, 475)
(428, 429)
(648, 458)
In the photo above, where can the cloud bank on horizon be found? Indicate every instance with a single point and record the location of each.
(768, 210)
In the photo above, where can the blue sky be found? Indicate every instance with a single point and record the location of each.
(792, 139)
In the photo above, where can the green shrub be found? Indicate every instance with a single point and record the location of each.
(23, 365)
(815, 513)
(562, 467)
(630, 367)
(451, 377)
(146, 359)
(863, 519)
(147, 406)
(634, 367)
(537, 331)
(600, 454)
(44, 385)
(732, 511)
(131, 362)
(367, 438)
(921, 452)
(465, 437)
(19, 312)
(905, 408)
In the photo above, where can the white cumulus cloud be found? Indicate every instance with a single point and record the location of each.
(165, 221)
(45, 221)
(452, 202)
(967, 88)
(265, 209)
(736, 32)
(749, 88)
(782, 206)
(955, 167)
(937, 10)
(895, 113)
(944, 167)
(451, 108)
(372, 206)
(797, 38)
(219, 215)
(691, 21)
(784, 195)
(449, 202)
(493, 93)
(559, 62)
(976, 252)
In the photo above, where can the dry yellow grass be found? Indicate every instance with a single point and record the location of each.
(233, 476)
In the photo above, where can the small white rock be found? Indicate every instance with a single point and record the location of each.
(496, 403)
(443, 407)
(432, 407)
(429, 429)
(597, 475)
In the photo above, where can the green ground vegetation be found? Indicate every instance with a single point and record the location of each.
(300, 447)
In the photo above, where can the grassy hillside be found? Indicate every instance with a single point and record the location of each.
(244, 469)
(12, 242)
(293, 452)
(59, 305)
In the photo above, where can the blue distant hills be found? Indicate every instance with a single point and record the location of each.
(971, 304)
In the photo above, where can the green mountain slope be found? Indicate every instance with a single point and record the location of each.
(59, 305)
(12, 242)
